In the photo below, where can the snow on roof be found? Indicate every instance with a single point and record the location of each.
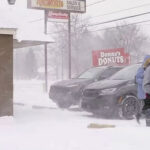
(12, 19)
(32, 36)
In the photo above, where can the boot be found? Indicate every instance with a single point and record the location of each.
(138, 116)
(147, 115)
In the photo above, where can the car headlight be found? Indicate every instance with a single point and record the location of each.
(107, 91)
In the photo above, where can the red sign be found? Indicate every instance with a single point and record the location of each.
(110, 57)
(57, 15)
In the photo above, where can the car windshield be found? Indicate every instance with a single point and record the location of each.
(128, 73)
(92, 73)
(109, 72)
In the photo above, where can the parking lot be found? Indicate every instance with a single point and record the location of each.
(36, 126)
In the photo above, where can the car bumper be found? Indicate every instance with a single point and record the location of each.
(64, 95)
(105, 104)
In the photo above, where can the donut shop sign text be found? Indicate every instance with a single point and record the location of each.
(110, 57)
(64, 5)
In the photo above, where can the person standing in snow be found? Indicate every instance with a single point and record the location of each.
(146, 87)
(140, 91)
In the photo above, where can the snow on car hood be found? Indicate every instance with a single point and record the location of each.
(73, 82)
(106, 84)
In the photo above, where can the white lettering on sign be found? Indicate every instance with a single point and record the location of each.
(110, 58)
(103, 54)
(57, 15)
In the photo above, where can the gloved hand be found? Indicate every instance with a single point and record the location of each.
(147, 96)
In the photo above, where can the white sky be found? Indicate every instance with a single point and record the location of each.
(108, 6)
(25, 16)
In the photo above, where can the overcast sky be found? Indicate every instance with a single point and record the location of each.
(118, 9)
(95, 11)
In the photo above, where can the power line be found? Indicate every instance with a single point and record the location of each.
(114, 20)
(121, 26)
(114, 12)
(122, 10)
(86, 6)
(95, 3)
(106, 28)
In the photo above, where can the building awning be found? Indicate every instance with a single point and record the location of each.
(26, 43)
(31, 39)
(26, 39)
(25, 34)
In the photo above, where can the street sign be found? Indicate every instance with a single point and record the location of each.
(57, 15)
(78, 6)
(110, 57)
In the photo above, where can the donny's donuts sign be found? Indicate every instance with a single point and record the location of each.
(110, 57)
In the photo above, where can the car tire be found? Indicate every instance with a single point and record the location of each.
(129, 107)
(64, 105)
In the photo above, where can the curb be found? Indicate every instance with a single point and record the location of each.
(35, 106)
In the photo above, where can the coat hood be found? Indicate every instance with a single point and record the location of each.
(146, 61)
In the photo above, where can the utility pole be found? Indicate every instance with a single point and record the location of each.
(45, 51)
(62, 65)
(69, 44)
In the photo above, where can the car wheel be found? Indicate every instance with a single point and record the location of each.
(64, 105)
(130, 106)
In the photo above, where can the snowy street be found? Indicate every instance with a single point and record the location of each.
(61, 60)
(51, 128)
(55, 129)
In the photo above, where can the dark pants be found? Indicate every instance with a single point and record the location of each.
(146, 102)
(146, 109)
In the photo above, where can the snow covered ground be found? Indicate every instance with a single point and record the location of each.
(50, 128)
